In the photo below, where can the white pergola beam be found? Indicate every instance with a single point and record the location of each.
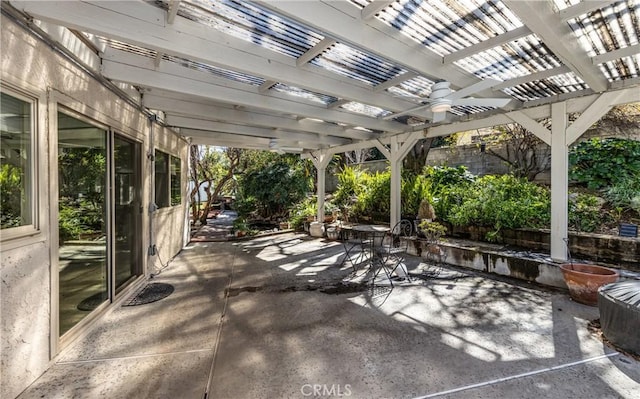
(558, 36)
(547, 73)
(315, 51)
(138, 23)
(138, 70)
(225, 139)
(244, 130)
(591, 115)
(268, 84)
(220, 113)
(487, 44)
(174, 6)
(395, 81)
(581, 8)
(531, 125)
(337, 104)
(616, 54)
(341, 20)
(371, 9)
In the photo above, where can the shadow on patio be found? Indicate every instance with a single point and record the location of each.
(282, 331)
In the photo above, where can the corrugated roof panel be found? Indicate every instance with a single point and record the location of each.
(221, 72)
(247, 21)
(449, 26)
(365, 109)
(555, 85)
(306, 94)
(199, 66)
(356, 64)
(518, 58)
(130, 48)
(607, 29)
(418, 86)
(622, 68)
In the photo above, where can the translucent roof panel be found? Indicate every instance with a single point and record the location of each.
(518, 58)
(252, 23)
(555, 85)
(353, 63)
(448, 26)
(221, 72)
(418, 86)
(306, 94)
(199, 66)
(365, 109)
(616, 26)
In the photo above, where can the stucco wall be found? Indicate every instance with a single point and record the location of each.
(28, 265)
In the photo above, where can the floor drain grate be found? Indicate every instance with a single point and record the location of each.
(151, 293)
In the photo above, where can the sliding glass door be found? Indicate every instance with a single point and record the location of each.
(99, 205)
(82, 220)
(128, 210)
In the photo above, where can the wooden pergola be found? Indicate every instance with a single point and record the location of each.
(324, 77)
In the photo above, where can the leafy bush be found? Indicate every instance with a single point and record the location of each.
(502, 202)
(301, 210)
(414, 190)
(441, 177)
(598, 163)
(273, 189)
(447, 186)
(374, 200)
(626, 193)
(350, 184)
(585, 212)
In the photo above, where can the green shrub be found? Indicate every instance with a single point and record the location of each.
(501, 202)
(350, 184)
(447, 187)
(301, 210)
(598, 163)
(374, 200)
(273, 189)
(625, 194)
(585, 212)
(414, 190)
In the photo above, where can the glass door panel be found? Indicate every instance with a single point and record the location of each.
(127, 210)
(82, 225)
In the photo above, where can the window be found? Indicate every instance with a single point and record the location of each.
(176, 189)
(16, 161)
(162, 179)
(168, 181)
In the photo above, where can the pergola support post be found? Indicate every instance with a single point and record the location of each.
(559, 182)
(398, 153)
(320, 161)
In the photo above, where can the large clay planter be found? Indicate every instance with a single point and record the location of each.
(584, 280)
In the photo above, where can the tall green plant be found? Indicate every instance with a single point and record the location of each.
(415, 188)
(275, 188)
(503, 202)
(598, 163)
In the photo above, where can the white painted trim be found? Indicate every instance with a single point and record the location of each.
(559, 182)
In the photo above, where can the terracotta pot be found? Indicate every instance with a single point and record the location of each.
(584, 280)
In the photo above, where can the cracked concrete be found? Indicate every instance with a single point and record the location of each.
(276, 317)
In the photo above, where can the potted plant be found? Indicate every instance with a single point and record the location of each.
(426, 213)
(432, 232)
(240, 227)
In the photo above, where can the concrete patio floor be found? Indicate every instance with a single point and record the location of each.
(285, 331)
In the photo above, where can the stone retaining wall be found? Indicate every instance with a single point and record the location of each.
(623, 252)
